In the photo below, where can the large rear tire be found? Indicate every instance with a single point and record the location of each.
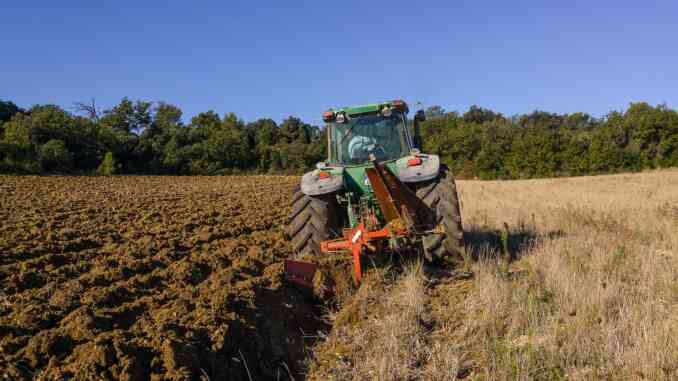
(440, 194)
(313, 219)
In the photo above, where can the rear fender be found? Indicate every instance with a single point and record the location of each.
(313, 185)
(427, 170)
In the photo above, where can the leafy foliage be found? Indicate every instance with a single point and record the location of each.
(108, 165)
(151, 138)
(54, 156)
(7, 111)
(485, 144)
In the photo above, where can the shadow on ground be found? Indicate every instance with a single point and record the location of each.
(273, 338)
(487, 243)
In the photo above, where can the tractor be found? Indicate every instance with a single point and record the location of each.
(376, 192)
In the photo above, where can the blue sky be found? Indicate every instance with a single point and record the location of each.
(280, 58)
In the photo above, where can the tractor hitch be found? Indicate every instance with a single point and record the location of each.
(358, 242)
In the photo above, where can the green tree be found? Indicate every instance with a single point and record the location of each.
(575, 154)
(128, 116)
(167, 115)
(534, 153)
(480, 115)
(653, 131)
(17, 152)
(227, 148)
(165, 126)
(434, 111)
(17, 131)
(108, 165)
(266, 135)
(7, 111)
(55, 156)
(495, 145)
(293, 130)
(209, 120)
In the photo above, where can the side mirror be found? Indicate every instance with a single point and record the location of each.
(419, 117)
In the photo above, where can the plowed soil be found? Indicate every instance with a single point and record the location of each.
(149, 277)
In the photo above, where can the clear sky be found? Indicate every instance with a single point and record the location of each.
(279, 58)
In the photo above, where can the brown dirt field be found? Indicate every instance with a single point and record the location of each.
(149, 277)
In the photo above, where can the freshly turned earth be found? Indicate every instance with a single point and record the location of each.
(148, 277)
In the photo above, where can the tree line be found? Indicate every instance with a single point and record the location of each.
(485, 144)
(140, 137)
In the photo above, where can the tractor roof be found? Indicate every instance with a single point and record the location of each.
(370, 108)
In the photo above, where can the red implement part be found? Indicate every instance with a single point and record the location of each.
(355, 241)
(301, 273)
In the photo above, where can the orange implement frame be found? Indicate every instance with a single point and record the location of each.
(355, 241)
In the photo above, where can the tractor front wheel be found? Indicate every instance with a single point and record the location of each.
(440, 194)
(313, 219)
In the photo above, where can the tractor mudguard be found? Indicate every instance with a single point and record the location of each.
(427, 170)
(313, 185)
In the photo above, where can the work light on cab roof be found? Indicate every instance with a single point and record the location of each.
(385, 108)
(375, 192)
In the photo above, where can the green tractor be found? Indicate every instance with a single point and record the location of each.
(375, 192)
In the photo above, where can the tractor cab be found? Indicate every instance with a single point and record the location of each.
(359, 136)
(379, 131)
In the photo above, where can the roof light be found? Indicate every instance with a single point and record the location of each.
(341, 117)
(324, 175)
(413, 162)
(399, 104)
(386, 112)
(328, 116)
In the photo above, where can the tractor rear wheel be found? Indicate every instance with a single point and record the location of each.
(313, 219)
(440, 194)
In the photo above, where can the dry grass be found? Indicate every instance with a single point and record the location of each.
(591, 291)
(382, 334)
(595, 295)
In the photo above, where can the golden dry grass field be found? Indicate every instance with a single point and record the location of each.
(573, 278)
(180, 278)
